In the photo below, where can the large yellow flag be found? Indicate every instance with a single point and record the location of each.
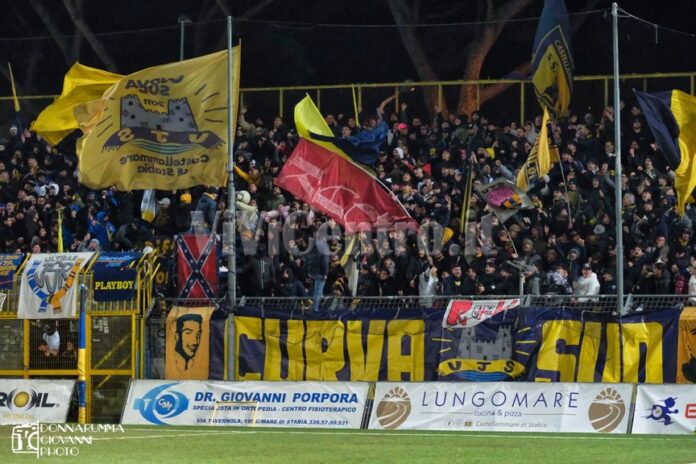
(540, 158)
(80, 85)
(164, 127)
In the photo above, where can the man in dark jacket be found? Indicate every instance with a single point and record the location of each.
(289, 286)
(317, 268)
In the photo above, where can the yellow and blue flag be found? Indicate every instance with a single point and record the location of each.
(671, 116)
(539, 161)
(362, 148)
(552, 59)
(164, 127)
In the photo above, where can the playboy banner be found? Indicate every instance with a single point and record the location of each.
(115, 276)
(49, 285)
(197, 271)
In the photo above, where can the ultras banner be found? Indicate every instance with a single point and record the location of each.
(369, 345)
(49, 287)
(502, 407)
(560, 345)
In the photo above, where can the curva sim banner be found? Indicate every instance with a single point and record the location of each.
(337, 405)
(370, 345)
(533, 344)
(560, 345)
(502, 407)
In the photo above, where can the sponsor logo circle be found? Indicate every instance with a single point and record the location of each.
(21, 399)
(394, 408)
(607, 410)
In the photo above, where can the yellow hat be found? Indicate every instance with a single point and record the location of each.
(185, 198)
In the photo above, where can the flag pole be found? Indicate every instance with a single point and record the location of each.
(231, 255)
(617, 175)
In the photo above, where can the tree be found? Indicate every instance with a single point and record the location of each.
(491, 17)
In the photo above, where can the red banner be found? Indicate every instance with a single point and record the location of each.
(197, 271)
(340, 189)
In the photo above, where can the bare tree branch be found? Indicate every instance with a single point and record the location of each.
(404, 19)
(77, 38)
(46, 19)
(92, 39)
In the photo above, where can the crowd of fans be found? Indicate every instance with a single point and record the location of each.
(565, 244)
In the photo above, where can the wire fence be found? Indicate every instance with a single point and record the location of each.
(597, 303)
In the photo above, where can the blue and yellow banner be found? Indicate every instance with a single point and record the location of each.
(368, 345)
(552, 59)
(115, 276)
(559, 345)
(8, 267)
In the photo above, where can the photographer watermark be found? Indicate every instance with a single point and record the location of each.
(57, 440)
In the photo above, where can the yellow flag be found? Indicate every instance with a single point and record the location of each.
(80, 85)
(14, 90)
(162, 128)
(309, 123)
(540, 158)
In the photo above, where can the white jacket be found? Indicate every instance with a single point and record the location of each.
(586, 286)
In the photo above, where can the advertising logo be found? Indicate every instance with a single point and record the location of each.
(19, 400)
(394, 408)
(607, 411)
(690, 412)
(25, 439)
(662, 412)
(159, 404)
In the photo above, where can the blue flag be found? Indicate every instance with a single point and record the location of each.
(552, 59)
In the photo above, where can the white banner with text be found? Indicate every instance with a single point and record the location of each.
(269, 404)
(502, 407)
(28, 401)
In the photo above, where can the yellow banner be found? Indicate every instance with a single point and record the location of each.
(163, 128)
(81, 84)
(538, 163)
(686, 348)
(187, 343)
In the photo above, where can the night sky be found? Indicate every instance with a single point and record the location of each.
(279, 53)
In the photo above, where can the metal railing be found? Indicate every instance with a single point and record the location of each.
(589, 92)
(598, 303)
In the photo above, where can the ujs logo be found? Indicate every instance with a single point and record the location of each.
(159, 404)
(662, 412)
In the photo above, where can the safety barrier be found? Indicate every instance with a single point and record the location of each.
(487, 407)
(113, 338)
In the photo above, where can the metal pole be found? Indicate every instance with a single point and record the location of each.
(617, 145)
(183, 19)
(232, 255)
(82, 357)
